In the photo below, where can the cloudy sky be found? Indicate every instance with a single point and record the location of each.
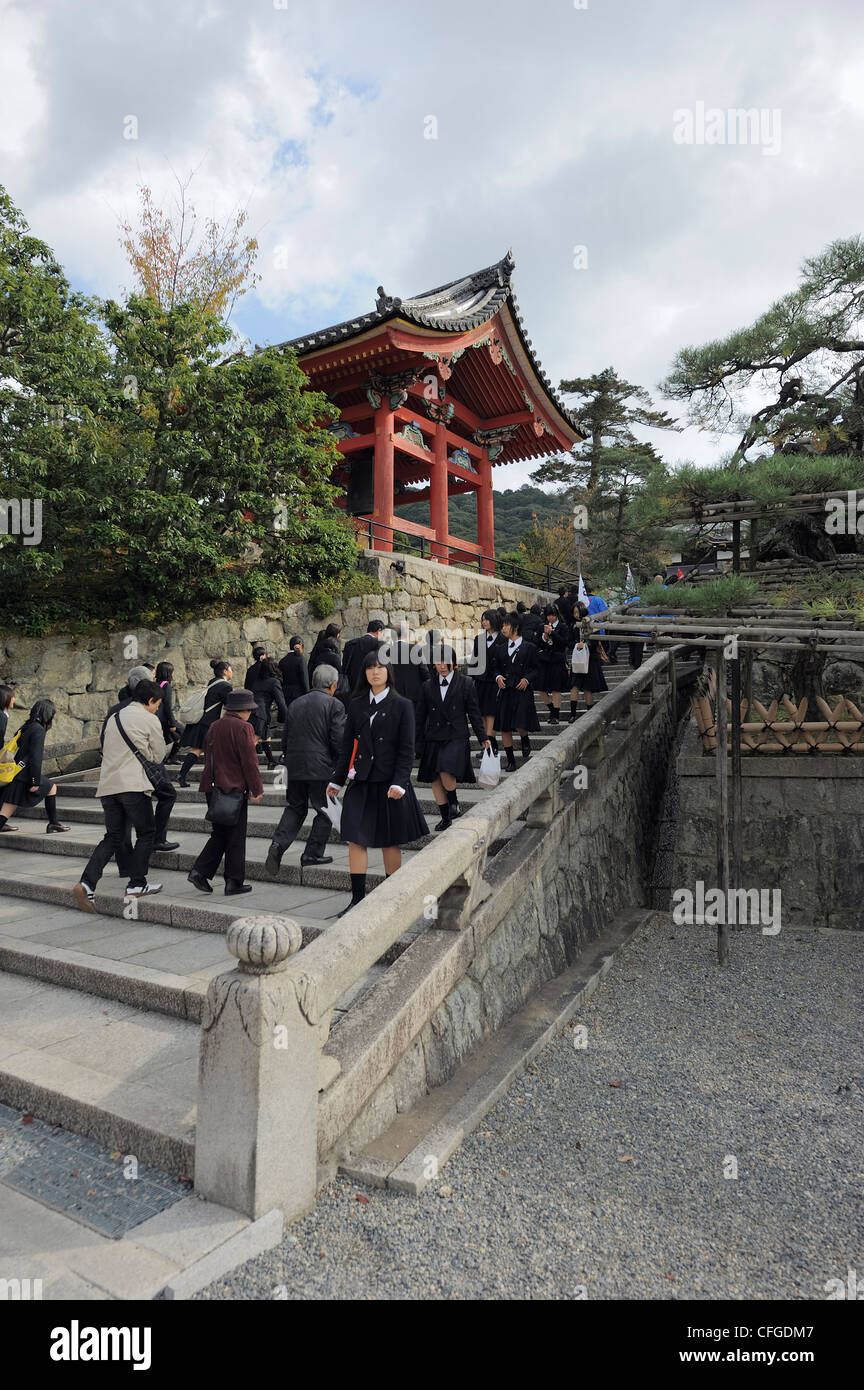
(555, 127)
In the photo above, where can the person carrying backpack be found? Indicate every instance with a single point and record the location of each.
(28, 787)
(200, 711)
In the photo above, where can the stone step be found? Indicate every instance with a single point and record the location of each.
(117, 1073)
(151, 965)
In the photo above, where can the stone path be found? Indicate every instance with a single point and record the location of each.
(601, 1174)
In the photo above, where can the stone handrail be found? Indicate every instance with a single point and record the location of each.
(449, 872)
(266, 1024)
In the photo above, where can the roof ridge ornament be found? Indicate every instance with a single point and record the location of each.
(385, 302)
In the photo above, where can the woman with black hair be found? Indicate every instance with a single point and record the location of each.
(325, 648)
(171, 730)
(256, 670)
(380, 809)
(592, 681)
(217, 692)
(267, 690)
(552, 660)
(29, 787)
(516, 676)
(448, 703)
(488, 647)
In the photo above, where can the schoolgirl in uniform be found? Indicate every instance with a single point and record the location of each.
(448, 703)
(380, 809)
(485, 664)
(218, 690)
(517, 674)
(552, 678)
(590, 682)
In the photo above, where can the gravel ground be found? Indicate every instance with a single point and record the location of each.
(601, 1174)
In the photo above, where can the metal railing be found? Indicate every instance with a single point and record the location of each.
(427, 548)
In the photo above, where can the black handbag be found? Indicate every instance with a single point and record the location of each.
(156, 773)
(223, 808)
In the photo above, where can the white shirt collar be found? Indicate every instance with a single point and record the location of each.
(376, 699)
(514, 641)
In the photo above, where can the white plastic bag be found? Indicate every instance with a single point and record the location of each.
(580, 659)
(490, 769)
(333, 811)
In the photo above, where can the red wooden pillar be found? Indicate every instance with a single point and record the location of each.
(485, 514)
(384, 478)
(439, 519)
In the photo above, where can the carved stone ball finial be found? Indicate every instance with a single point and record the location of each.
(262, 944)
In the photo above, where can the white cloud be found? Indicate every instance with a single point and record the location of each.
(552, 132)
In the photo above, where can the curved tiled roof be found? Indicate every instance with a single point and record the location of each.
(457, 307)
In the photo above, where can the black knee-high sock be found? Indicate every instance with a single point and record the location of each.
(358, 888)
(51, 807)
(3, 820)
(452, 797)
(526, 745)
(493, 740)
(186, 765)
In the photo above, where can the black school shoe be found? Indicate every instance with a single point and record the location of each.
(199, 881)
(233, 887)
(167, 845)
(309, 861)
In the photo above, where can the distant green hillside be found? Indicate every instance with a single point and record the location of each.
(514, 510)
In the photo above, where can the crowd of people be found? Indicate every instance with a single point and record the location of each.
(353, 718)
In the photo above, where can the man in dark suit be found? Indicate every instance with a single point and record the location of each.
(295, 672)
(295, 677)
(410, 672)
(357, 649)
(313, 739)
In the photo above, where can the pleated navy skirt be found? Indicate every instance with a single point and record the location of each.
(552, 675)
(487, 695)
(516, 710)
(453, 757)
(376, 821)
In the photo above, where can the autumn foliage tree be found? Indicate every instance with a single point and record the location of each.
(176, 261)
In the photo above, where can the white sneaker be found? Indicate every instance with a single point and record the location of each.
(143, 890)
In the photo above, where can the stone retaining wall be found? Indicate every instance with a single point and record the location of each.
(803, 832)
(82, 674)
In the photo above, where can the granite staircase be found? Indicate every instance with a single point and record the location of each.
(99, 1015)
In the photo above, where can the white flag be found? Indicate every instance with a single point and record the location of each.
(583, 592)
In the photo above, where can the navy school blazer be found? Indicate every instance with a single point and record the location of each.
(385, 751)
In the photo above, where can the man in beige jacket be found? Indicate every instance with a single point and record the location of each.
(126, 793)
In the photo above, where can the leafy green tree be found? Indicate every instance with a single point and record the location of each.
(53, 369)
(608, 409)
(805, 353)
(609, 468)
(221, 463)
(171, 477)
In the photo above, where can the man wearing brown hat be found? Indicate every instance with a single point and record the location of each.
(229, 764)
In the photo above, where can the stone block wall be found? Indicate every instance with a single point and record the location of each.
(803, 832)
(83, 673)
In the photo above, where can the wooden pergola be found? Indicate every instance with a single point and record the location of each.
(433, 392)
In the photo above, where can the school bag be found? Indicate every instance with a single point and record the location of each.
(9, 767)
(192, 709)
